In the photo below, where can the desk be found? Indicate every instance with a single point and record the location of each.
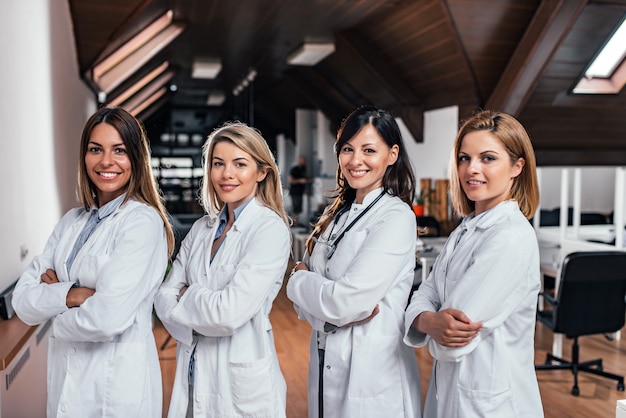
(427, 255)
(23, 365)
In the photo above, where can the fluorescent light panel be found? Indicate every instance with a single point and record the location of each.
(146, 92)
(137, 110)
(311, 53)
(216, 98)
(132, 45)
(145, 80)
(110, 74)
(206, 69)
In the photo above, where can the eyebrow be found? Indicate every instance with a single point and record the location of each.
(234, 159)
(100, 145)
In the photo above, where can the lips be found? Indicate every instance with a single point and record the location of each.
(228, 187)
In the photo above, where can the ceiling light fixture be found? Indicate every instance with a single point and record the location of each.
(206, 68)
(216, 98)
(130, 57)
(150, 100)
(149, 90)
(145, 80)
(311, 53)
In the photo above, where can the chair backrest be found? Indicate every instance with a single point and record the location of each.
(428, 226)
(591, 293)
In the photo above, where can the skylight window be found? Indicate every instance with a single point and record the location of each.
(607, 72)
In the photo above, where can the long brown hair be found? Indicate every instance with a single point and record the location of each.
(250, 140)
(398, 179)
(141, 185)
(515, 139)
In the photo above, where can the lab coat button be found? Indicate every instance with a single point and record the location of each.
(73, 351)
(63, 408)
(328, 366)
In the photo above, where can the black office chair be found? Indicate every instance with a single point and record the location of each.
(590, 300)
(428, 226)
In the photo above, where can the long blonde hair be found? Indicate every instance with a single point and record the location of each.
(250, 140)
(515, 139)
(142, 185)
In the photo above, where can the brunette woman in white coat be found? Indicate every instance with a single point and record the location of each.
(354, 282)
(97, 277)
(218, 295)
(476, 311)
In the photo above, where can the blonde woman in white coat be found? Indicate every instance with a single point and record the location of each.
(476, 311)
(353, 289)
(218, 295)
(97, 277)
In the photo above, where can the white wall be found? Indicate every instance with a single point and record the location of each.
(44, 105)
(430, 158)
(597, 188)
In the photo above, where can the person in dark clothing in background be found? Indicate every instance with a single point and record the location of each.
(298, 181)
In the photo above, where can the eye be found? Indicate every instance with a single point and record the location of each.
(94, 150)
(217, 164)
(240, 165)
(346, 148)
(120, 151)
(369, 151)
(489, 158)
(462, 158)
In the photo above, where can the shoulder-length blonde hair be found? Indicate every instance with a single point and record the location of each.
(248, 139)
(141, 185)
(514, 138)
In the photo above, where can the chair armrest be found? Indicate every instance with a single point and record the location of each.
(548, 298)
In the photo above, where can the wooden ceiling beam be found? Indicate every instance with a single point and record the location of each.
(403, 101)
(551, 23)
(316, 92)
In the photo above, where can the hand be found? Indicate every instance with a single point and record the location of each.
(182, 291)
(362, 321)
(49, 277)
(298, 266)
(449, 328)
(77, 296)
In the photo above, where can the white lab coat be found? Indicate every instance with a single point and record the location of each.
(227, 304)
(493, 276)
(368, 371)
(102, 357)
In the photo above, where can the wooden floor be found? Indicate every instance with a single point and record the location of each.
(598, 396)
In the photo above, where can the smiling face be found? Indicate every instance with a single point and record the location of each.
(363, 160)
(107, 163)
(234, 174)
(485, 170)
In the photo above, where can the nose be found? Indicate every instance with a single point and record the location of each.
(474, 165)
(107, 158)
(356, 157)
(227, 172)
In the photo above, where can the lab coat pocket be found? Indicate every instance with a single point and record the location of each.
(252, 387)
(129, 381)
(375, 369)
(480, 403)
(221, 275)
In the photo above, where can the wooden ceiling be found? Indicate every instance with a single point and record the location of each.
(409, 56)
